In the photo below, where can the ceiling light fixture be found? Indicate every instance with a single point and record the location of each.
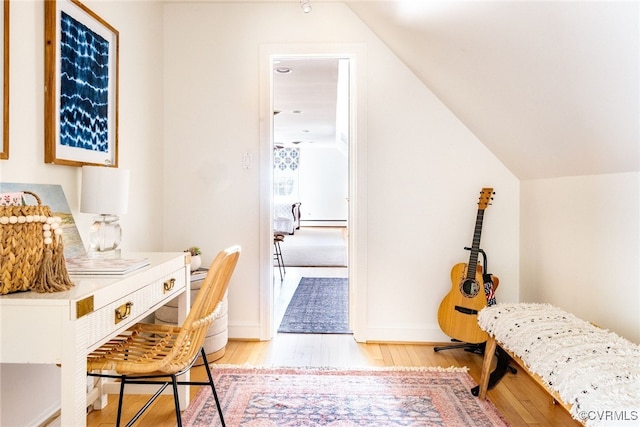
(306, 6)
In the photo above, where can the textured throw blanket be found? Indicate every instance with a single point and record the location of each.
(594, 370)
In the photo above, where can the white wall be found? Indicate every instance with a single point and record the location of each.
(581, 248)
(28, 393)
(324, 185)
(425, 169)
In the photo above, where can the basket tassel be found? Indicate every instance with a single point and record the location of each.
(52, 275)
(60, 267)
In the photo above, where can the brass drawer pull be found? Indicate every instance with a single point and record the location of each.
(123, 312)
(169, 284)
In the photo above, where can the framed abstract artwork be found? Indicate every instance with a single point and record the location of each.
(4, 59)
(81, 86)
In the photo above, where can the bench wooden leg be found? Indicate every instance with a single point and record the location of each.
(489, 351)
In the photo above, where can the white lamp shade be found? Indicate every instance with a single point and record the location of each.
(105, 190)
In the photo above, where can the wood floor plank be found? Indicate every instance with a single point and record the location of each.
(414, 355)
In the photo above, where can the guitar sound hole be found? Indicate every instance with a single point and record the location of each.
(469, 288)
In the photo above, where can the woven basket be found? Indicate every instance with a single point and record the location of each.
(28, 260)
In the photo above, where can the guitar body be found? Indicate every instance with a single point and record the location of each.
(458, 311)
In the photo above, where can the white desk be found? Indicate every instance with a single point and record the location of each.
(63, 327)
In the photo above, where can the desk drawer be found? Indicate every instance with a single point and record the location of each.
(126, 311)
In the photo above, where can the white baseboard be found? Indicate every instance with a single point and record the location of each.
(244, 331)
(406, 334)
(311, 223)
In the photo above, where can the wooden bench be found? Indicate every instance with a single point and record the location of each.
(593, 373)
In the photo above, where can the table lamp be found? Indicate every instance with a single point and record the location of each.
(105, 191)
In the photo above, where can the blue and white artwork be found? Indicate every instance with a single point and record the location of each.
(84, 87)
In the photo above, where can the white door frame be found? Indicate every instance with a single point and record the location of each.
(357, 219)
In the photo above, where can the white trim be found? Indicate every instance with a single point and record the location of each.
(357, 178)
(244, 330)
(358, 268)
(408, 332)
(323, 223)
(265, 240)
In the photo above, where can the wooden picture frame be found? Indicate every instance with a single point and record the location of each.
(81, 91)
(4, 19)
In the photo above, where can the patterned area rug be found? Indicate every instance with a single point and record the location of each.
(320, 305)
(282, 397)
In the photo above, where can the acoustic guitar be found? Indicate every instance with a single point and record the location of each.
(458, 311)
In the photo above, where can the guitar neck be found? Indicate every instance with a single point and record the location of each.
(475, 247)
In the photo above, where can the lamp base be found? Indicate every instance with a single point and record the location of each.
(114, 254)
(105, 236)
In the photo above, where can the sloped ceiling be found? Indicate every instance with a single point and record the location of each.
(551, 88)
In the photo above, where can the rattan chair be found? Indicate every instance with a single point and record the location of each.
(158, 354)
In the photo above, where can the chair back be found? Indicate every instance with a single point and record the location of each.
(204, 309)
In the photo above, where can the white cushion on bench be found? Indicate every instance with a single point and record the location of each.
(590, 368)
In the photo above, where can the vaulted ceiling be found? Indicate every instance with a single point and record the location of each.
(550, 87)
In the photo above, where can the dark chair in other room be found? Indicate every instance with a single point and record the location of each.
(277, 253)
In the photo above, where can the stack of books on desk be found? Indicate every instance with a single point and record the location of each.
(104, 266)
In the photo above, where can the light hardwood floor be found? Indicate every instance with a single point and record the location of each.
(521, 401)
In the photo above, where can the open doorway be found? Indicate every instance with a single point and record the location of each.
(310, 102)
(357, 202)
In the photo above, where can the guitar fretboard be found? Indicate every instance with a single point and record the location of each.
(475, 247)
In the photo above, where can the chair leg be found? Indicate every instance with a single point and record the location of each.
(176, 400)
(213, 387)
(152, 399)
(278, 255)
(164, 384)
(120, 398)
(284, 269)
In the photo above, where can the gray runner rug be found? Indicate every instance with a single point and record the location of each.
(320, 305)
